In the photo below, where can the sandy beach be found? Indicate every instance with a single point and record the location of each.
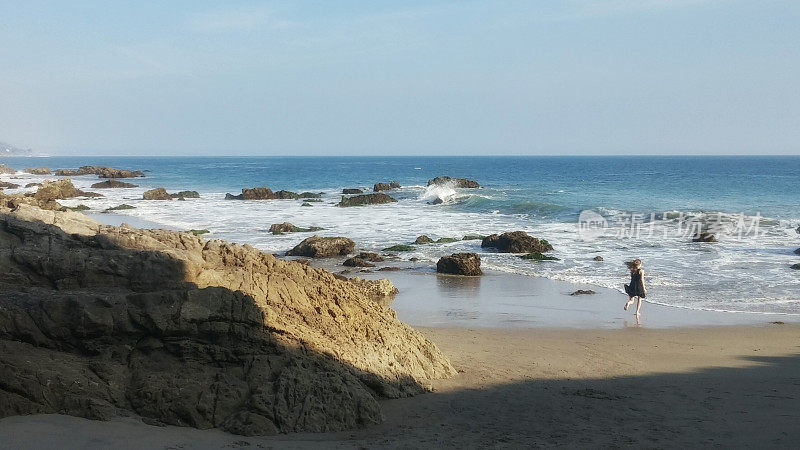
(713, 386)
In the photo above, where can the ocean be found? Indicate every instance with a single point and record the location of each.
(618, 208)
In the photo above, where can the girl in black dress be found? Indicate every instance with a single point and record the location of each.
(636, 289)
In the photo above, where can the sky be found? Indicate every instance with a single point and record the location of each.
(194, 77)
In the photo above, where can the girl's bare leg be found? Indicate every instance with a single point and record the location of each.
(629, 303)
(638, 305)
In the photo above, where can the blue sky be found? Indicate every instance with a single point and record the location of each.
(394, 77)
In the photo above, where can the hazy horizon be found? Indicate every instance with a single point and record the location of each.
(513, 78)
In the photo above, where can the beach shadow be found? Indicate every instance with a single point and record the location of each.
(749, 407)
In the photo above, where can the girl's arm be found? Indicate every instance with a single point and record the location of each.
(643, 285)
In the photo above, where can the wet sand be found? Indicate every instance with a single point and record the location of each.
(501, 300)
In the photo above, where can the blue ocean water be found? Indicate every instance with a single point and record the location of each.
(649, 205)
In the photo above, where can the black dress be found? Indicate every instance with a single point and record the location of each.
(636, 288)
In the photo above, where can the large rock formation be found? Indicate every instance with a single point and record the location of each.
(323, 247)
(5, 170)
(460, 264)
(8, 185)
(98, 320)
(113, 184)
(350, 191)
(60, 190)
(516, 242)
(101, 171)
(366, 199)
(455, 182)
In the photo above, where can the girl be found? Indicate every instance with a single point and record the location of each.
(636, 289)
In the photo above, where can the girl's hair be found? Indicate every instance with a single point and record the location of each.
(635, 264)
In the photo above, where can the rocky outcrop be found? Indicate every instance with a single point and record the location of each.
(366, 199)
(516, 242)
(597, 258)
(380, 291)
(323, 247)
(422, 240)
(113, 184)
(38, 170)
(5, 170)
(378, 187)
(60, 190)
(797, 252)
(460, 264)
(156, 194)
(263, 193)
(310, 195)
(352, 191)
(101, 171)
(30, 185)
(704, 237)
(455, 182)
(97, 321)
(286, 227)
(8, 185)
(795, 266)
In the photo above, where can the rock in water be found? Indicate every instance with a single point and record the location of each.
(8, 185)
(384, 186)
(597, 258)
(516, 242)
(704, 237)
(113, 183)
(185, 194)
(352, 191)
(366, 199)
(456, 182)
(797, 252)
(460, 264)
(101, 171)
(357, 262)
(583, 292)
(97, 320)
(323, 247)
(422, 240)
(156, 194)
(5, 170)
(38, 170)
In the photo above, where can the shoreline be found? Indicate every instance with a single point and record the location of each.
(729, 386)
(501, 300)
(549, 304)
